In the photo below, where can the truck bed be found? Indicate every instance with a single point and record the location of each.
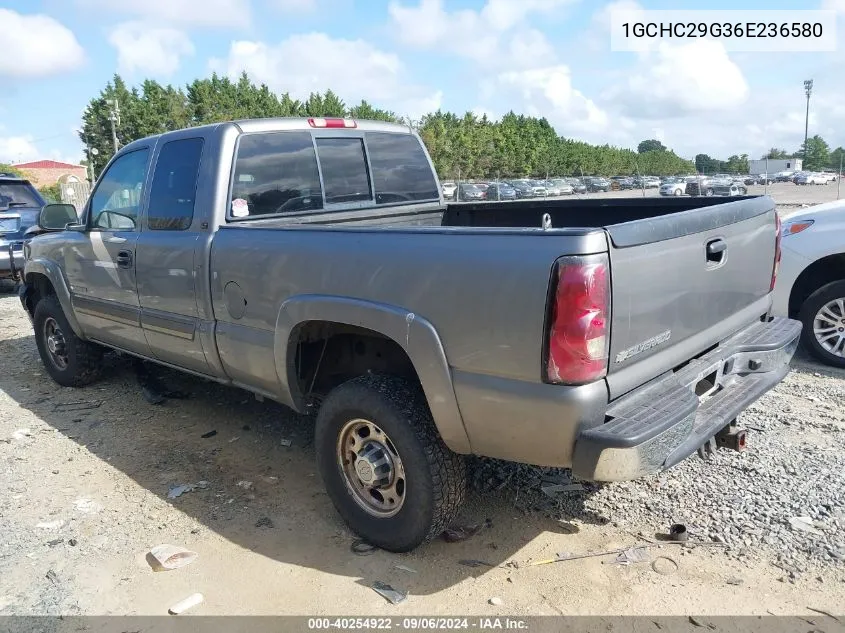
(662, 283)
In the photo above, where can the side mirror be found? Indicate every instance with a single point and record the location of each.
(55, 217)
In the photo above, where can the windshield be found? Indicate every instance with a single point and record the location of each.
(18, 194)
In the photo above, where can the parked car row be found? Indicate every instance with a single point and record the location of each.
(521, 188)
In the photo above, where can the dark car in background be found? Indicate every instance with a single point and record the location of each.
(468, 191)
(718, 185)
(595, 183)
(20, 204)
(523, 189)
(500, 191)
(622, 182)
(578, 185)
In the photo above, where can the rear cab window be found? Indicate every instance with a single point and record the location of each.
(295, 172)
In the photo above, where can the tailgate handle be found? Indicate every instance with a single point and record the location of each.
(716, 251)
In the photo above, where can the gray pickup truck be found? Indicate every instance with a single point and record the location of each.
(314, 262)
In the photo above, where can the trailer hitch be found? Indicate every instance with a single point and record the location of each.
(731, 437)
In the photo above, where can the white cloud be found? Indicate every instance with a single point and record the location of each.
(314, 62)
(23, 148)
(680, 80)
(143, 48)
(17, 149)
(213, 13)
(294, 6)
(834, 5)
(496, 36)
(548, 92)
(37, 46)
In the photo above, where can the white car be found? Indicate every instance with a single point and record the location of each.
(676, 187)
(811, 179)
(811, 279)
(448, 189)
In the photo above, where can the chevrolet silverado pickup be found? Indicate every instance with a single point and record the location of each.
(315, 262)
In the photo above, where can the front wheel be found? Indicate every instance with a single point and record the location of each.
(384, 465)
(68, 359)
(823, 316)
(678, 192)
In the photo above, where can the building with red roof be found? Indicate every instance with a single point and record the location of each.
(43, 173)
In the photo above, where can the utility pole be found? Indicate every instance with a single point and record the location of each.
(839, 177)
(114, 117)
(808, 90)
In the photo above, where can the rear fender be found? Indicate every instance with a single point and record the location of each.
(411, 332)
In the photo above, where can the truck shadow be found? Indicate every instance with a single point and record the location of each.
(264, 492)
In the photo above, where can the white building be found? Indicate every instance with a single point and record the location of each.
(773, 166)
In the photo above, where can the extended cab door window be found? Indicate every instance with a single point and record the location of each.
(401, 170)
(275, 173)
(174, 187)
(344, 169)
(117, 199)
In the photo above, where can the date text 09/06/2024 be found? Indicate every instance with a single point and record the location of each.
(418, 623)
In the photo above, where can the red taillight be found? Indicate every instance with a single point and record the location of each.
(579, 320)
(776, 263)
(332, 123)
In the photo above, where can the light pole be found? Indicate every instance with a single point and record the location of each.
(808, 90)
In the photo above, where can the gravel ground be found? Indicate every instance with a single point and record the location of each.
(794, 467)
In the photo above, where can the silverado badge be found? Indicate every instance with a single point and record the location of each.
(647, 344)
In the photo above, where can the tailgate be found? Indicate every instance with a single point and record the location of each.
(683, 282)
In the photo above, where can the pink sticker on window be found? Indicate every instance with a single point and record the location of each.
(240, 208)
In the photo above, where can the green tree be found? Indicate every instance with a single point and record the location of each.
(466, 146)
(816, 153)
(736, 164)
(776, 154)
(6, 168)
(51, 193)
(835, 162)
(650, 145)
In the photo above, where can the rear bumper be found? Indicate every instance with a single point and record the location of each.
(11, 262)
(664, 421)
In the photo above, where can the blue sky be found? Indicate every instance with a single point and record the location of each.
(547, 58)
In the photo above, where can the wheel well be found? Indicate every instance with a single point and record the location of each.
(40, 286)
(818, 274)
(324, 354)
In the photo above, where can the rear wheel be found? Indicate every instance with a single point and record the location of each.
(384, 465)
(823, 316)
(709, 192)
(68, 359)
(678, 192)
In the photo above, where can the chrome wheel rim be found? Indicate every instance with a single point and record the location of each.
(372, 469)
(55, 342)
(829, 327)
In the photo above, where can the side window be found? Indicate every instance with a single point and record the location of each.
(115, 203)
(174, 187)
(401, 171)
(275, 173)
(344, 168)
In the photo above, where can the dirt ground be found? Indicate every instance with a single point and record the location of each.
(85, 477)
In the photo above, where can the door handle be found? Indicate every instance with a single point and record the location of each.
(124, 259)
(716, 250)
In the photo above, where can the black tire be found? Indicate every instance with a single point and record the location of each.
(709, 192)
(83, 359)
(814, 303)
(435, 476)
